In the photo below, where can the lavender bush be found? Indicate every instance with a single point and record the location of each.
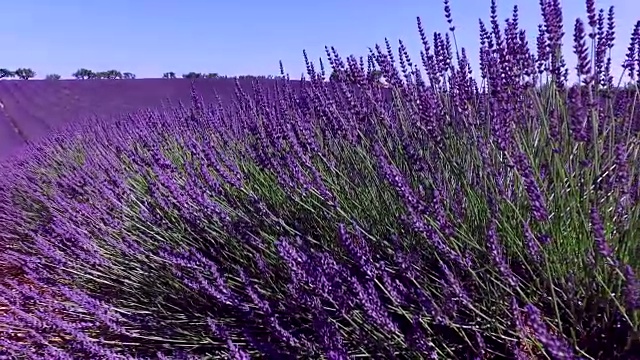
(436, 218)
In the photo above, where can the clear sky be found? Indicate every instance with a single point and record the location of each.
(235, 37)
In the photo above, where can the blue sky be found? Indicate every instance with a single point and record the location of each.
(149, 37)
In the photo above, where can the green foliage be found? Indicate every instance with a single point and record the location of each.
(6, 73)
(83, 73)
(192, 75)
(24, 73)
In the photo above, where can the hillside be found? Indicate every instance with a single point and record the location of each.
(31, 109)
(9, 138)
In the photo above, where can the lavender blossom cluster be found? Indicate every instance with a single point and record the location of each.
(446, 215)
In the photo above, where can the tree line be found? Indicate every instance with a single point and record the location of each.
(21, 73)
(27, 73)
(85, 74)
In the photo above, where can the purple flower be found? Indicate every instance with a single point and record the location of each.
(531, 243)
(599, 237)
(219, 330)
(535, 194)
(358, 249)
(373, 307)
(631, 288)
(583, 67)
(497, 254)
(556, 345)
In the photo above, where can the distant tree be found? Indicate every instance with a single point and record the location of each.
(335, 76)
(6, 73)
(112, 74)
(192, 75)
(128, 75)
(252, 77)
(25, 73)
(109, 74)
(53, 77)
(375, 75)
(257, 77)
(84, 74)
(80, 73)
(212, 75)
(169, 75)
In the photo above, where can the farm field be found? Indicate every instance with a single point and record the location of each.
(34, 108)
(10, 137)
(438, 214)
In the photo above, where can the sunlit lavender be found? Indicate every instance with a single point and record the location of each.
(440, 214)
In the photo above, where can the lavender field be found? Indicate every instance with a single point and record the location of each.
(449, 215)
(33, 109)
